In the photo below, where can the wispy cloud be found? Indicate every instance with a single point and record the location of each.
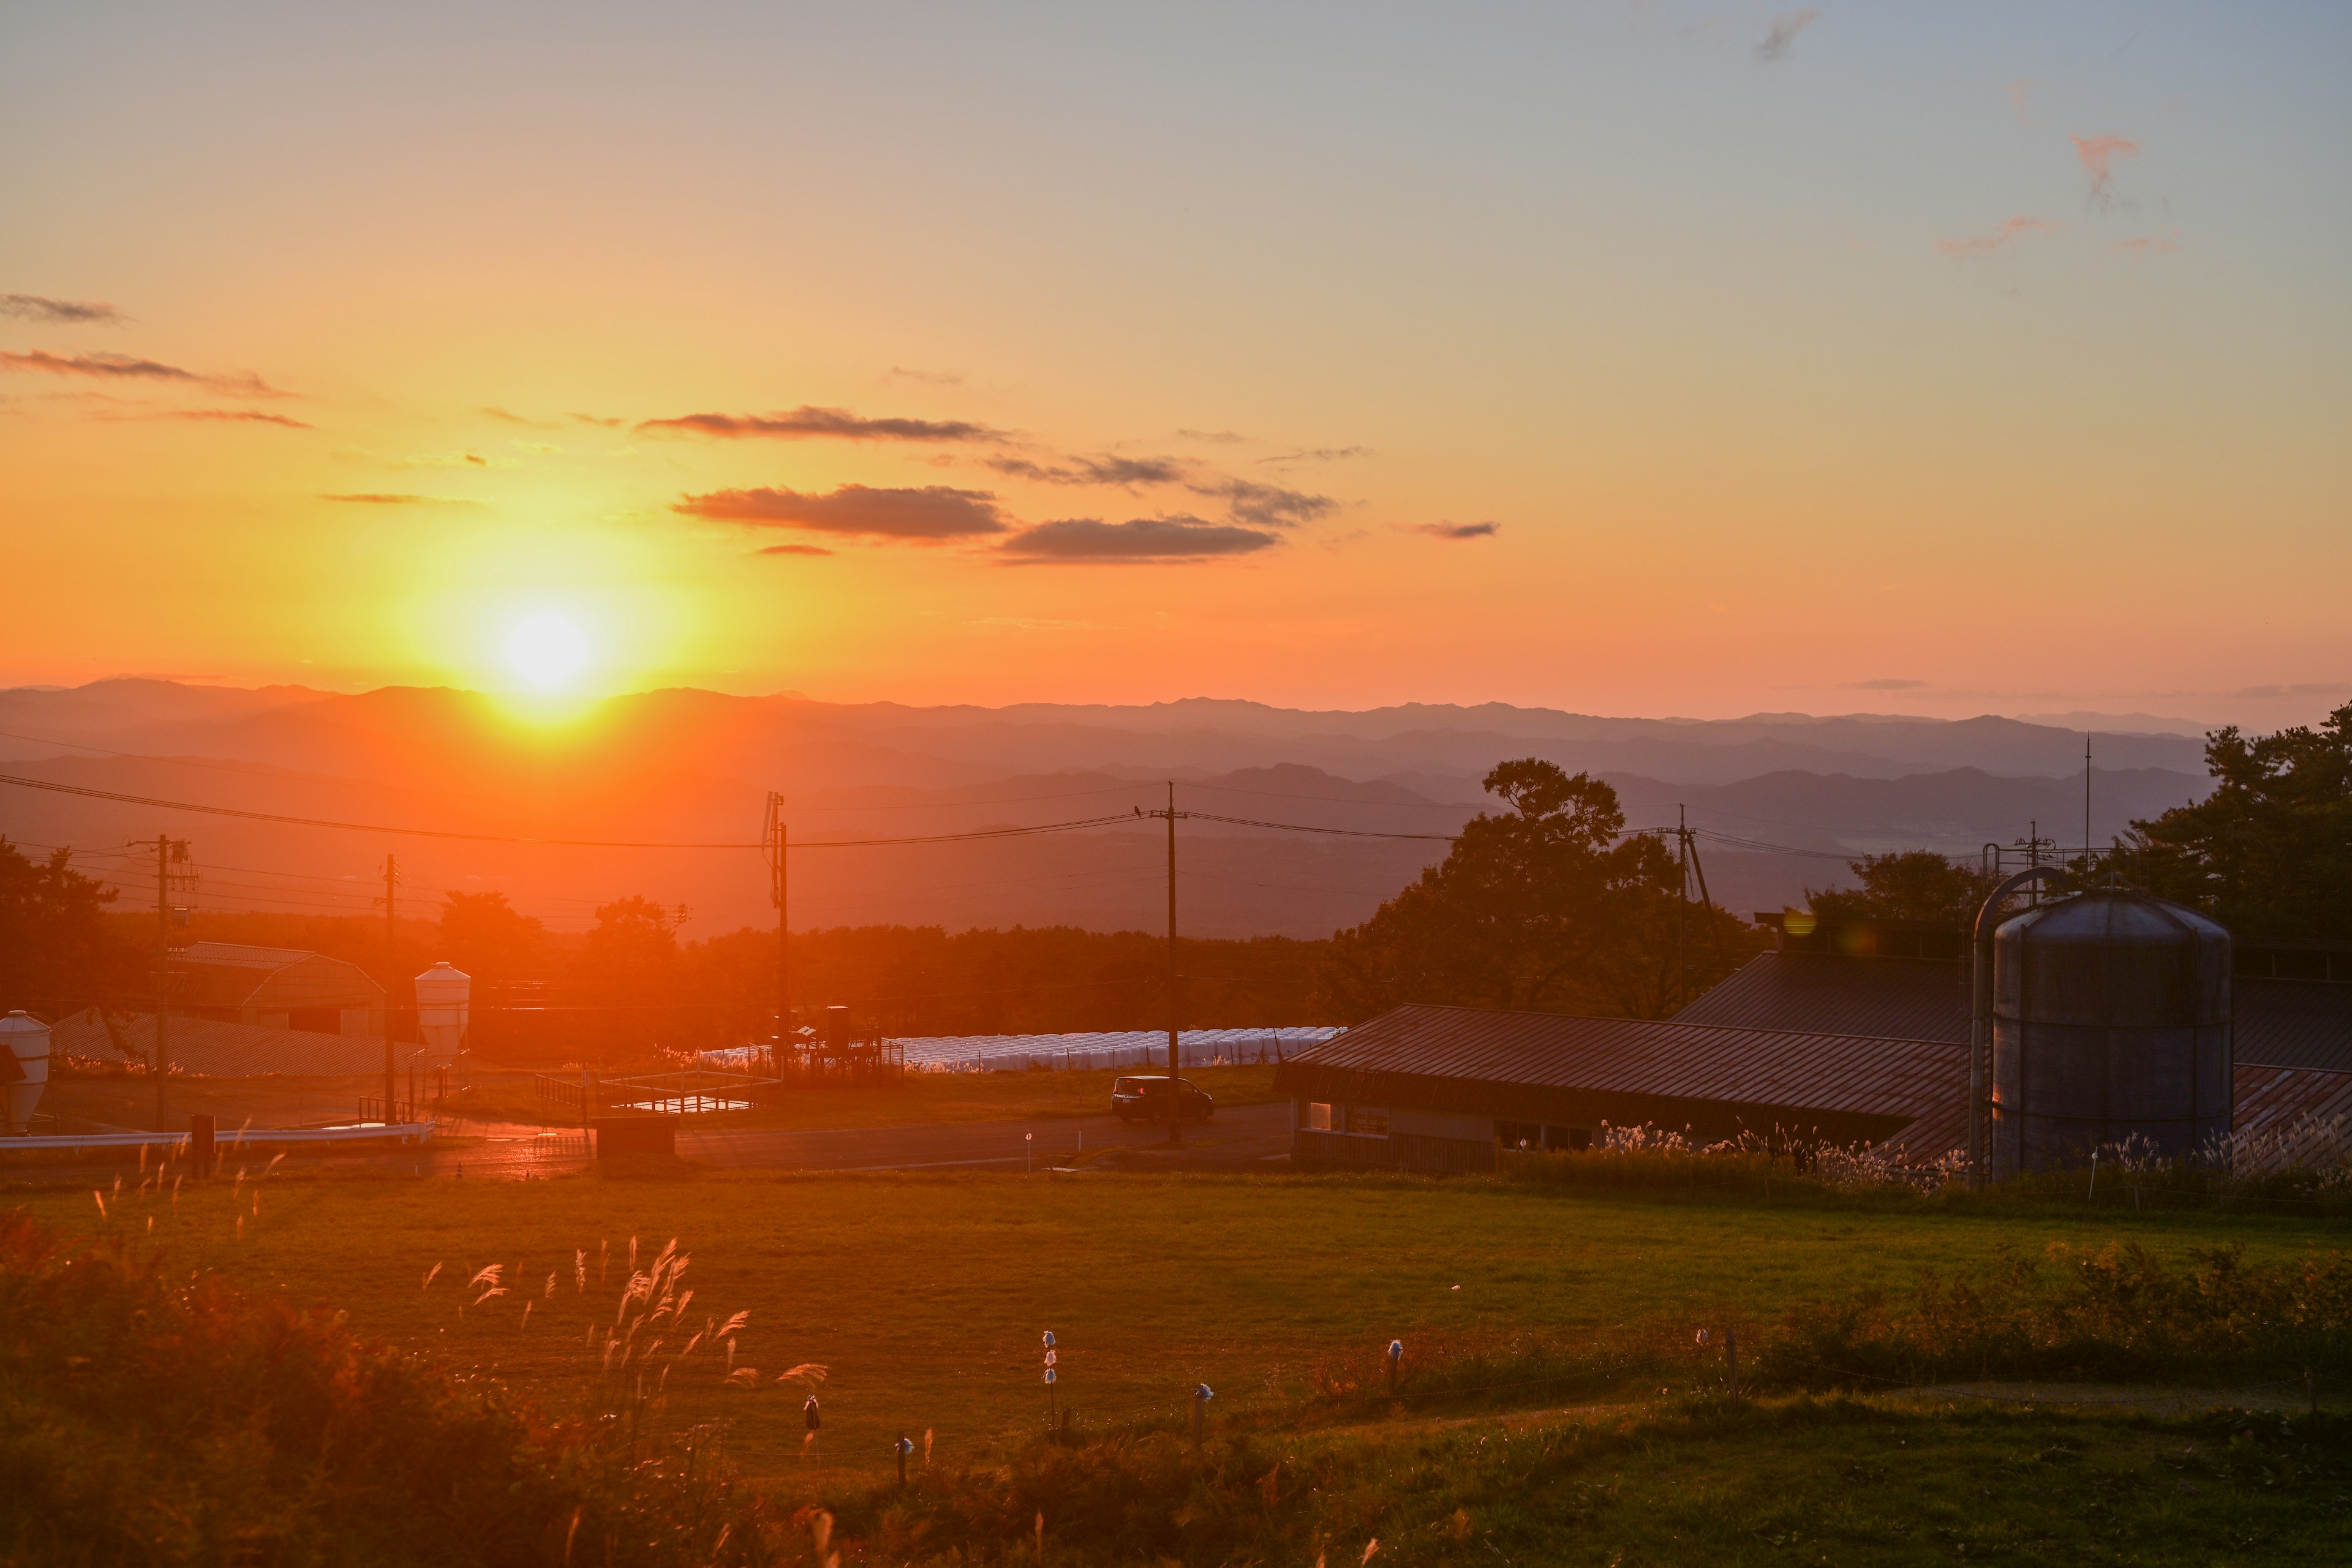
(508, 416)
(1137, 542)
(795, 550)
(1127, 473)
(2099, 155)
(389, 497)
(931, 515)
(928, 377)
(2021, 100)
(58, 312)
(1885, 683)
(1318, 455)
(232, 417)
(1214, 437)
(130, 367)
(2150, 245)
(465, 459)
(1459, 530)
(1782, 35)
(809, 423)
(1266, 505)
(2015, 229)
(596, 419)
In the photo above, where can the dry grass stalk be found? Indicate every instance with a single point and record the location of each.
(428, 1277)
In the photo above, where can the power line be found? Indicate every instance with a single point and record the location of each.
(84, 792)
(1336, 832)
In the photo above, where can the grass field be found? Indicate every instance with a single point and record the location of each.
(919, 1097)
(925, 1294)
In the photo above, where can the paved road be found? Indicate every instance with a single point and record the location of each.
(1243, 1137)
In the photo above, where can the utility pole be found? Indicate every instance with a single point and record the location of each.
(1175, 980)
(169, 852)
(2086, 808)
(1682, 907)
(390, 981)
(778, 891)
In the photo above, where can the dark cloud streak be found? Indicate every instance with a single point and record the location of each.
(58, 312)
(1266, 505)
(1137, 542)
(810, 423)
(931, 515)
(130, 367)
(1125, 472)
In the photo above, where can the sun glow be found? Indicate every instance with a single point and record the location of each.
(548, 651)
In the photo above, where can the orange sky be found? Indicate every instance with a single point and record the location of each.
(1901, 362)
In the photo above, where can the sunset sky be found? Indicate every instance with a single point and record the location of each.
(1625, 358)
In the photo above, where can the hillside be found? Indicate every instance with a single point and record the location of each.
(683, 766)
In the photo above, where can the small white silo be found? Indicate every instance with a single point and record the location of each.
(444, 996)
(25, 1073)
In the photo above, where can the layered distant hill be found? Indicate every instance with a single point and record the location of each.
(694, 766)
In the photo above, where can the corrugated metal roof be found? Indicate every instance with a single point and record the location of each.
(231, 975)
(2270, 1097)
(2279, 1023)
(1887, 998)
(1800, 1070)
(2293, 1023)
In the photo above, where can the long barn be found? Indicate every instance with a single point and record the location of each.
(1852, 1036)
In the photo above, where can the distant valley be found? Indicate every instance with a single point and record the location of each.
(1784, 798)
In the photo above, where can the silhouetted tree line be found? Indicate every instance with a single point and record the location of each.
(1545, 905)
(2268, 853)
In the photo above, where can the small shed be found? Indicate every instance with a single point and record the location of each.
(276, 989)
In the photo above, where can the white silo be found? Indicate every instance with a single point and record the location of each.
(25, 1071)
(443, 994)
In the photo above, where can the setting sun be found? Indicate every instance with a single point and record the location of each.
(548, 651)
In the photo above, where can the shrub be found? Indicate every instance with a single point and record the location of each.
(156, 1418)
(2118, 1313)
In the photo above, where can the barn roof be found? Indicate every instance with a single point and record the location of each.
(2279, 1023)
(231, 975)
(1767, 1069)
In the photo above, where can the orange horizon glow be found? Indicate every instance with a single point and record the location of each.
(1853, 380)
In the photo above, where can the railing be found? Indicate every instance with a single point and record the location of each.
(694, 1092)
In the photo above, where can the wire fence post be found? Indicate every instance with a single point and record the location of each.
(1396, 1354)
(1731, 1363)
(1201, 1397)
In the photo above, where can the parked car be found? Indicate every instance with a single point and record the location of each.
(1145, 1098)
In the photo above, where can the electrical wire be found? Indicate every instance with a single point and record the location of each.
(85, 793)
(1302, 828)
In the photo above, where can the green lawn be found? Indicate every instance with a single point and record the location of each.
(919, 1097)
(925, 1293)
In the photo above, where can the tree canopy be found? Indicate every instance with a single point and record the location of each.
(1550, 906)
(1909, 885)
(59, 952)
(2269, 852)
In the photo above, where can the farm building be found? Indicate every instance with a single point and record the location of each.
(1851, 1034)
(238, 1010)
(211, 1048)
(2292, 1000)
(276, 989)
